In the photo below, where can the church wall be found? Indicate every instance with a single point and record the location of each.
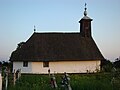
(59, 67)
(19, 65)
(74, 66)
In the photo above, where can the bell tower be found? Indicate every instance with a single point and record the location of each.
(85, 25)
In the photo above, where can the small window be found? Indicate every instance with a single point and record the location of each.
(45, 64)
(25, 64)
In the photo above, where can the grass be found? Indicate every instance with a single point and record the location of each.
(78, 82)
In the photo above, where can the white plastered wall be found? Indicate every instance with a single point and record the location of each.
(19, 65)
(59, 67)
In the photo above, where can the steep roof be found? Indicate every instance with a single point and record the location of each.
(57, 47)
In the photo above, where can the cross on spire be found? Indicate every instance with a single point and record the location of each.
(85, 6)
(85, 12)
(34, 28)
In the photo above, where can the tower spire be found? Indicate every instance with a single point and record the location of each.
(85, 24)
(85, 12)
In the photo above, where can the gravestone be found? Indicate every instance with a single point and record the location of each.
(54, 79)
(66, 81)
(16, 75)
(53, 82)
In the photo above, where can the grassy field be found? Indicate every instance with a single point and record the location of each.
(77, 81)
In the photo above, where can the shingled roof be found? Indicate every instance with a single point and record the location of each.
(57, 47)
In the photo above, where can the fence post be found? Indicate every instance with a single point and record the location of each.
(14, 77)
(49, 72)
(0, 81)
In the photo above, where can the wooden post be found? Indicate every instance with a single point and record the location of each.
(6, 81)
(20, 72)
(14, 77)
(0, 81)
(54, 80)
(49, 72)
(6, 78)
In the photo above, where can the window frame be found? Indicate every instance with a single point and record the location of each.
(45, 64)
(25, 63)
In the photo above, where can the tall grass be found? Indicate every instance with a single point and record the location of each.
(90, 82)
(78, 82)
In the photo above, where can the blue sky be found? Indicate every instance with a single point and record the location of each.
(18, 17)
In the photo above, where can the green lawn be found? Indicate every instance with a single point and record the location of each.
(78, 82)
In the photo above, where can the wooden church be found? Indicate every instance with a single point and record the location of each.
(59, 52)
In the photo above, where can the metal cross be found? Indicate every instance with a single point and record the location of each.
(85, 5)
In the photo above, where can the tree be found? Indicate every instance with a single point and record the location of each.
(0, 63)
(117, 63)
(106, 65)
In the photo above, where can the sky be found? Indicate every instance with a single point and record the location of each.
(18, 17)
